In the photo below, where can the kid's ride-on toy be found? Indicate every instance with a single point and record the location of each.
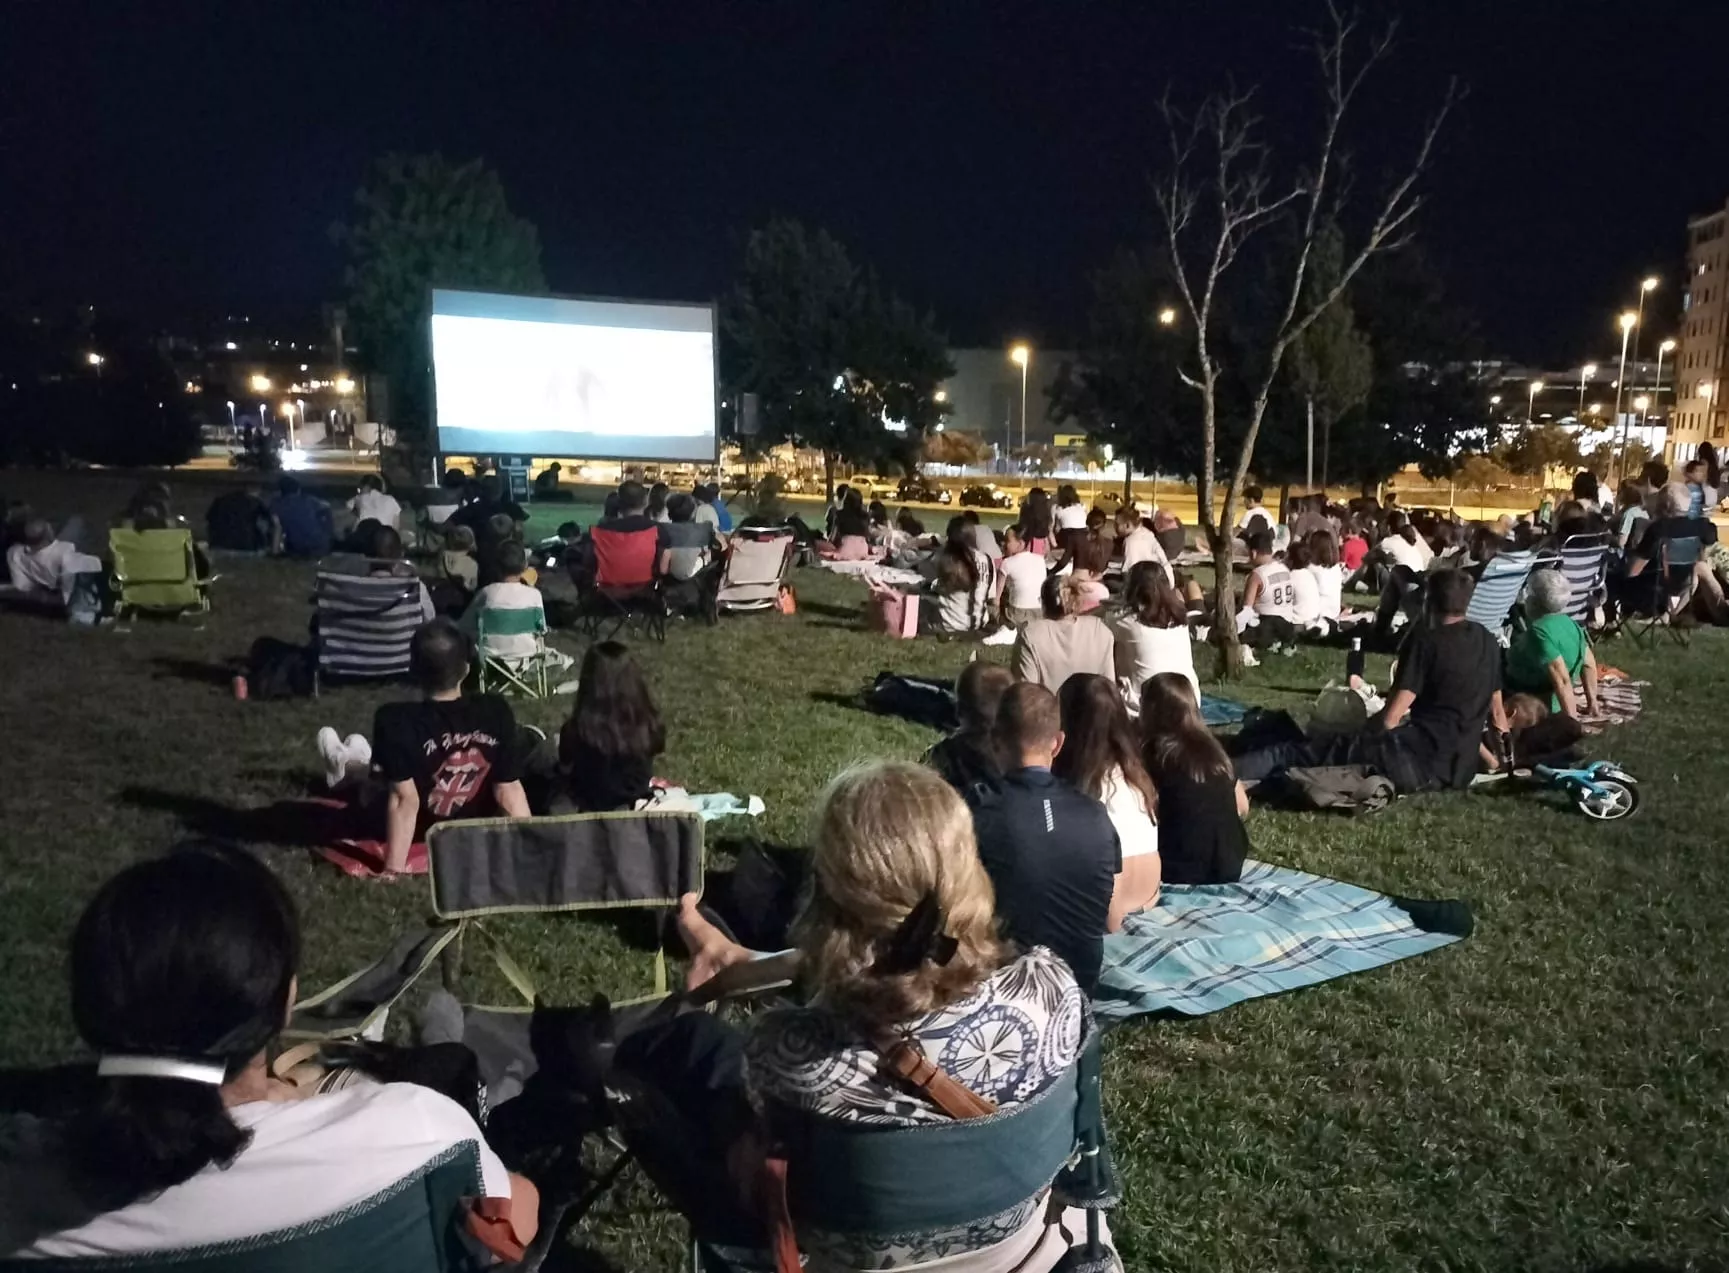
(1602, 789)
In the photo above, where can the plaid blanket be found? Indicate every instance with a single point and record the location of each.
(1204, 947)
(1221, 711)
(1618, 700)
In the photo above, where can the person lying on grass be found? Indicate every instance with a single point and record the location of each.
(443, 756)
(897, 942)
(183, 974)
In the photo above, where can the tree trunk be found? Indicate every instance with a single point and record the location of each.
(1128, 482)
(1326, 447)
(1285, 503)
(828, 475)
(1230, 650)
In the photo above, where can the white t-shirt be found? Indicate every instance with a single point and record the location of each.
(377, 506)
(504, 595)
(1072, 517)
(1414, 557)
(1305, 599)
(1023, 579)
(1329, 585)
(963, 611)
(1254, 518)
(1128, 809)
(1277, 598)
(705, 513)
(41, 569)
(307, 1159)
(1144, 652)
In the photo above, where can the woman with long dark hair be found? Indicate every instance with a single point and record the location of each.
(960, 579)
(1036, 520)
(183, 973)
(1100, 756)
(1201, 803)
(1152, 632)
(608, 747)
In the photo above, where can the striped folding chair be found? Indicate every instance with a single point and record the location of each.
(524, 673)
(365, 623)
(1585, 563)
(1497, 591)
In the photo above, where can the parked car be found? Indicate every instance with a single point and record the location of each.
(919, 489)
(986, 496)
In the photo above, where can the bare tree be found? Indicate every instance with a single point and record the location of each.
(1218, 191)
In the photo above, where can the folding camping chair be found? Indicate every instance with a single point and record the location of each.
(867, 1181)
(1497, 591)
(1585, 563)
(526, 673)
(757, 561)
(412, 1227)
(156, 570)
(1670, 590)
(365, 624)
(625, 588)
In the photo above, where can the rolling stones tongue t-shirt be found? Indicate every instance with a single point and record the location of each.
(454, 752)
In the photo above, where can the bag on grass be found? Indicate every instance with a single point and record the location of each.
(1349, 789)
(920, 699)
(786, 600)
(896, 613)
(278, 669)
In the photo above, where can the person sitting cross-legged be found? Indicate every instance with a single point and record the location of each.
(1051, 851)
(897, 942)
(1267, 620)
(1552, 652)
(608, 747)
(444, 756)
(1067, 640)
(183, 972)
(968, 756)
(1447, 686)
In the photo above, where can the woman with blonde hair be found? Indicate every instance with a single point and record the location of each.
(897, 955)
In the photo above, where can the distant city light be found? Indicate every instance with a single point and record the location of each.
(260, 384)
(941, 395)
(94, 359)
(1649, 284)
(1167, 316)
(1020, 355)
(1667, 346)
(1641, 403)
(294, 459)
(344, 385)
(230, 346)
(1629, 321)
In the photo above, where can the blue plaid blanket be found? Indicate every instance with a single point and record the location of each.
(1221, 711)
(1204, 947)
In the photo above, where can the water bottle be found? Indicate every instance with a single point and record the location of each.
(1355, 661)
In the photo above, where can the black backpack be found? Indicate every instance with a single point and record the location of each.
(279, 669)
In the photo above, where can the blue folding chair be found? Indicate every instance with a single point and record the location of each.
(1497, 592)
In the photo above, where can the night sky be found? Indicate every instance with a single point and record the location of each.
(174, 160)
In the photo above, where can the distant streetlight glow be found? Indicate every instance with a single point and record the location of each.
(230, 346)
(344, 385)
(260, 384)
(1531, 402)
(1494, 400)
(1657, 389)
(1022, 356)
(1167, 316)
(1641, 404)
(1649, 285)
(1629, 320)
(941, 395)
(1585, 373)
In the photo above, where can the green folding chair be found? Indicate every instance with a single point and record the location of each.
(527, 676)
(415, 1226)
(156, 570)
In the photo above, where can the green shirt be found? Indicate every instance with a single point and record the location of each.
(1554, 636)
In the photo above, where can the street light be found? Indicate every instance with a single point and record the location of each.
(1021, 356)
(346, 385)
(1531, 402)
(260, 384)
(1167, 316)
(1645, 289)
(1629, 321)
(1666, 347)
(1585, 373)
(941, 395)
(232, 427)
(288, 413)
(95, 360)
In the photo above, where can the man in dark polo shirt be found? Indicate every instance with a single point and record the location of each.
(1051, 852)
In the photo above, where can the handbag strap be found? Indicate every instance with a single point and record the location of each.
(904, 1061)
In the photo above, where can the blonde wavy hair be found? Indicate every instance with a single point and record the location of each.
(888, 833)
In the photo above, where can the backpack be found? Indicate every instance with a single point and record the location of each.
(1349, 789)
(916, 698)
(278, 669)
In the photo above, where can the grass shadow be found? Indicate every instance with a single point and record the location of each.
(828, 610)
(200, 671)
(292, 823)
(831, 699)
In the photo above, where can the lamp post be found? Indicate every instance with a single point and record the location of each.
(1629, 321)
(1531, 403)
(1585, 373)
(1666, 347)
(1021, 355)
(233, 428)
(96, 361)
(1646, 287)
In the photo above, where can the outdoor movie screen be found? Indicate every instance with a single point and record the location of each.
(538, 375)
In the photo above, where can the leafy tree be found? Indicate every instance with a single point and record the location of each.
(1542, 447)
(957, 447)
(420, 222)
(1602, 458)
(830, 353)
(1479, 472)
(1039, 457)
(1331, 363)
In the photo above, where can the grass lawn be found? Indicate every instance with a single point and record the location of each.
(1552, 1094)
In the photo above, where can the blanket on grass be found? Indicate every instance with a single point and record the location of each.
(1618, 701)
(1221, 711)
(874, 571)
(1205, 947)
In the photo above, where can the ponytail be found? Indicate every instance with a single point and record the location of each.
(143, 1135)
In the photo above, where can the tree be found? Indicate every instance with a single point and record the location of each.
(1217, 192)
(831, 354)
(422, 222)
(1039, 457)
(956, 447)
(1542, 447)
(1633, 460)
(1331, 363)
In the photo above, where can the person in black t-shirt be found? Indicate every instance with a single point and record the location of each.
(1448, 686)
(442, 757)
(1635, 589)
(1202, 839)
(1051, 852)
(608, 747)
(492, 500)
(968, 756)
(239, 521)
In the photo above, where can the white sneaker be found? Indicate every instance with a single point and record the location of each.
(359, 750)
(334, 753)
(1002, 636)
(1249, 659)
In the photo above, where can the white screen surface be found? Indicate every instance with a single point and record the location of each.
(536, 375)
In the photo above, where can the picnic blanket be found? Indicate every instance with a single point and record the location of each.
(1222, 711)
(1205, 947)
(1618, 700)
(869, 571)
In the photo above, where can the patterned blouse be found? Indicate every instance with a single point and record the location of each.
(1008, 1040)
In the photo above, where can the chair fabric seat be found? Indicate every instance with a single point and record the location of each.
(365, 623)
(155, 569)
